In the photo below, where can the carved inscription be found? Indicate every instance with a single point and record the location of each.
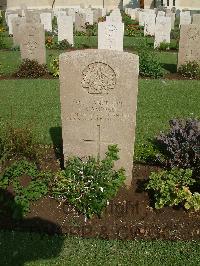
(98, 78)
(98, 110)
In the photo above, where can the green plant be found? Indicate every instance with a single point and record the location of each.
(181, 146)
(193, 202)
(23, 195)
(149, 65)
(54, 67)
(16, 143)
(91, 30)
(190, 69)
(171, 188)
(164, 46)
(2, 43)
(147, 153)
(88, 185)
(49, 42)
(63, 45)
(31, 69)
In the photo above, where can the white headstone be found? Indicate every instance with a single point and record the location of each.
(71, 12)
(89, 16)
(65, 29)
(162, 30)
(10, 17)
(150, 24)
(46, 20)
(185, 18)
(110, 35)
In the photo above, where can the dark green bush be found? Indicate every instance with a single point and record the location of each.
(89, 185)
(190, 70)
(164, 46)
(2, 42)
(149, 65)
(63, 45)
(181, 146)
(31, 69)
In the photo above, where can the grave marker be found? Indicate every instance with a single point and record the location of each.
(98, 104)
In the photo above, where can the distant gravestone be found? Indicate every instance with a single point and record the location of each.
(65, 29)
(142, 15)
(89, 16)
(132, 13)
(185, 18)
(172, 16)
(10, 17)
(71, 12)
(46, 20)
(16, 22)
(110, 35)
(162, 30)
(161, 13)
(80, 21)
(189, 44)
(32, 17)
(32, 45)
(97, 13)
(150, 25)
(98, 104)
(196, 19)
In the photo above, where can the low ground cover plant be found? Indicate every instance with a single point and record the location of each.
(31, 69)
(172, 188)
(190, 69)
(89, 184)
(23, 194)
(54, 67)
(17, 143)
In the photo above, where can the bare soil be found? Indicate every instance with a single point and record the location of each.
(130, 215)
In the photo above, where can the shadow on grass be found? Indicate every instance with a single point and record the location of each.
(26, 240)
(172, 68)
(56, 137)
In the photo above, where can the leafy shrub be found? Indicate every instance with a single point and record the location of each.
(23, 195)
(174, 45)
(16, 143)
(149, 65)
(190, 70)
(147, 153)
(91, 30)
(133, 30)
(171, 188)
(175, 34)
(49, 42)
(2, 43)
(164, 46)
(88, 185)
(181, 146)
(80, 33)
(127, 20)
(54, 67)
(63, 45)
(31, 69)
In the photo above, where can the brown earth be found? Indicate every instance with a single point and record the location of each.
(130, 215)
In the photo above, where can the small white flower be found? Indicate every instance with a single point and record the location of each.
(101, 189)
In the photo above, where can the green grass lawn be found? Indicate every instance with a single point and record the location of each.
(36, 103)
(33, 249)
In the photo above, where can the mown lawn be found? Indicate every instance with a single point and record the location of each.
(36, 103)
(33, 249)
